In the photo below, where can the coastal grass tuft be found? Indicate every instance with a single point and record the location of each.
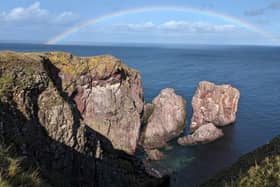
(265, 174)
(13, 174)
(5, 84)
(259, 168)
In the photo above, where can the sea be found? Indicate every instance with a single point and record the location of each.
(254, 70)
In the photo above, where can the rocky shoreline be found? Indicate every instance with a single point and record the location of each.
(82, 119)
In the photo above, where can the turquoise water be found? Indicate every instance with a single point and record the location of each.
(253, 70)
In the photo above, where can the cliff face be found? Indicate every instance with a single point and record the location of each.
(107, 94)
(71, 115)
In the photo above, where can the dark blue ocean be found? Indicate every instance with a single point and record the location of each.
(254, 70)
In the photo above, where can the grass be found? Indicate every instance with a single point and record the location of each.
(12, 173)
(265, 174)
(5, 85)
(259, 168)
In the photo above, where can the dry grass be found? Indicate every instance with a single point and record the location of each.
(259, 168)
(12, 173)
(265, 174)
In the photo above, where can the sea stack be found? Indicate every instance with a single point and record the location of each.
(215, 104)
(165, 119)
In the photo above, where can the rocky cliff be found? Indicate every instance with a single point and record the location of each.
(77, 118)
(107, 94)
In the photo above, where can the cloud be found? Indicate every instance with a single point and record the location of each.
(255, 12)
(274, 6)
(177, 26)
(195, 26)
(65, 17)
(261, 11)
(21, 13)
(146, 25)
(34, 13)
(136, 27)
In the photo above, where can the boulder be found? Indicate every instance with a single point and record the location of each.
(215, 104)
(154, 154)
(204, 134)
(166, 120)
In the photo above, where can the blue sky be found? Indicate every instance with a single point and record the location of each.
(230, 21)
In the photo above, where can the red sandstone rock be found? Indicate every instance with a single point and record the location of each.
(204, 134)
(167, 119)
(215, 104)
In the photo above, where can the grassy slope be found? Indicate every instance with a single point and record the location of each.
(13, 174)
(260, 168)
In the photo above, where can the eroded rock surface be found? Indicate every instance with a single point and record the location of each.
(166, 120)
(215, 104)
(51, 109)
(107, 94)
(204, 134)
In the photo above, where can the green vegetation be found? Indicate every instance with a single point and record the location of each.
(13, 174)
(99, 65)
(260, 168)
(18, 71)
(266, 174)
(5, 85)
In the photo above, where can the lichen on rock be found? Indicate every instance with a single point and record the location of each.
(107, 94)
(51, 104)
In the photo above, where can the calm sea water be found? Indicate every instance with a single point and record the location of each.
(255, 71)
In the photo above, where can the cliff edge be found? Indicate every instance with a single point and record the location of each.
(77, 118)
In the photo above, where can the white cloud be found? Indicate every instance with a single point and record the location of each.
(65, 17)
(21, 13)
(34, 13)
(195, 26)
(138, 26)
(146, 25)
(182, 26)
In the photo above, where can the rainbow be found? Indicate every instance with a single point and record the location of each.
(209, 13)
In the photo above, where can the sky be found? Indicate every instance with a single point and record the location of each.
(129, 21)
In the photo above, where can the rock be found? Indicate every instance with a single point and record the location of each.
(148, 110)
(154, 154)
(52, 114)
(166, 121)
(157, 170)
(204, 134)
(215, 104)
(108, 96)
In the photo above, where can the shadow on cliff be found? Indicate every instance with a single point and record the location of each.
(62, 165)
